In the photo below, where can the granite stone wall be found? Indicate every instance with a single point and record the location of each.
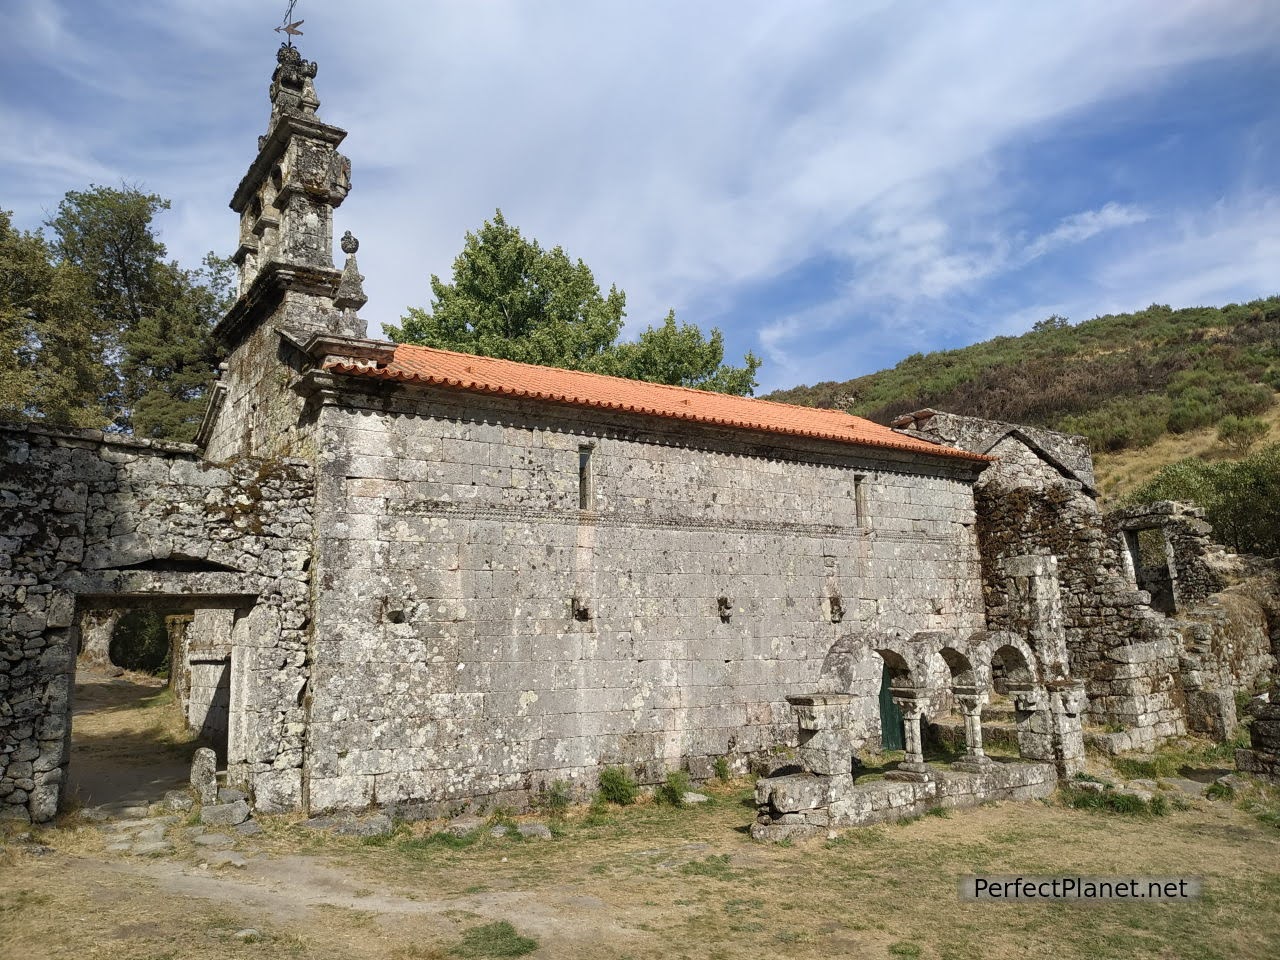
(91, 522)
(480, 634)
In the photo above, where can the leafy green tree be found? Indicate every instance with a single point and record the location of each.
(153, 319)
(1241, 498)
(514, 300)
(52, 348)
(1241, 433)
(682, 356)
(170, 353)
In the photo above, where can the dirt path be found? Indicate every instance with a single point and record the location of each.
(123, 749)
(642, 882)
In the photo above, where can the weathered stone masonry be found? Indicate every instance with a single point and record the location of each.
(94, 522)
(453, 554)
(414, 582)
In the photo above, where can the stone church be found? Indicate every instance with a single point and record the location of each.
(428, 580)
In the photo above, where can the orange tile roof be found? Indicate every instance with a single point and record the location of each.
(427, 365)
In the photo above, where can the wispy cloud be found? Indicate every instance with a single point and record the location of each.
(701, 156)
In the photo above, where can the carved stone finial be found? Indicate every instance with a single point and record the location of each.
(349, 244)
(293, 71)
(350, 292)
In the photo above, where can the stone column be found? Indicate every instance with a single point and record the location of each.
(825, 746)
(1034, 722)
(913, 767)
(1066, 700)
(975, 759)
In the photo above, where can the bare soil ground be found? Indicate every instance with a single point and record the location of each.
(128, 741)
(641, 882)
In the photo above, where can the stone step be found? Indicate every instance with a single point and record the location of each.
(998, 713)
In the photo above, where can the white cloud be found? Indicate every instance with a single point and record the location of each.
(686, 151)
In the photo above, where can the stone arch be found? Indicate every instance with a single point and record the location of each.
(856, 658)
(960, 667)
(899, 668)
(853, 671)
(995, 654)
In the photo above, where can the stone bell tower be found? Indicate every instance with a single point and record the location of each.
(289, 288)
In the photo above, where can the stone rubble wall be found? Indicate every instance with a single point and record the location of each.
(1151, 675)
(478, 636)
(89, 521)
(1190, 551)
(1263, 756)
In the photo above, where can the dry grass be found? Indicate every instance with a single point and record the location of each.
(1120, 473)
(649, 881)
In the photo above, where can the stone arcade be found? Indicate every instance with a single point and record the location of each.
(430, 580)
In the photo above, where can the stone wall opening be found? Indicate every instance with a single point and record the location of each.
(1148, 550)
(131, 735)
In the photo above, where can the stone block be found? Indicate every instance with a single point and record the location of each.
(225, 814)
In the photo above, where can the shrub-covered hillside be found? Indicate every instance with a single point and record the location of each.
(1122, 380)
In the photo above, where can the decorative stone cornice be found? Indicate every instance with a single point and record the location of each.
(268, 289)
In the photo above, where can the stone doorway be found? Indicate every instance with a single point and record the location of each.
(891, 728)
(131, 735)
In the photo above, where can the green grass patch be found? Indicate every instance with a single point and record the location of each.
(715, 866)
(672, 790)
(618, 786)
(498, 939)
(1109, 801)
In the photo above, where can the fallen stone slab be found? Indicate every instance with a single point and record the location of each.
(231, 795)
(154, 848)
(1192, 787)
(534, 831)
(378, 825)
(228, 858)
(213, 840)
(179, 800)
(225, 814)
(464, 825)
(249, 828)
(691, 798)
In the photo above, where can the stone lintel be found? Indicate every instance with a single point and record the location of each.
(819, 699)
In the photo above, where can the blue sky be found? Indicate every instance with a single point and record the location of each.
(835, 185)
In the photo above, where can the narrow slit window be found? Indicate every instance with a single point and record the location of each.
(584, 476)
(860, 501)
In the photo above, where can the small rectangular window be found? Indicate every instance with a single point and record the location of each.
(584, 476)
(860, 501)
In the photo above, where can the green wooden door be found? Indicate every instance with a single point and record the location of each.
(891, 732)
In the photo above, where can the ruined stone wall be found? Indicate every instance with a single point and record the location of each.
(478, 635)
(89, 521)
(1188, 549)
(1038, 523)
(1123, 650)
